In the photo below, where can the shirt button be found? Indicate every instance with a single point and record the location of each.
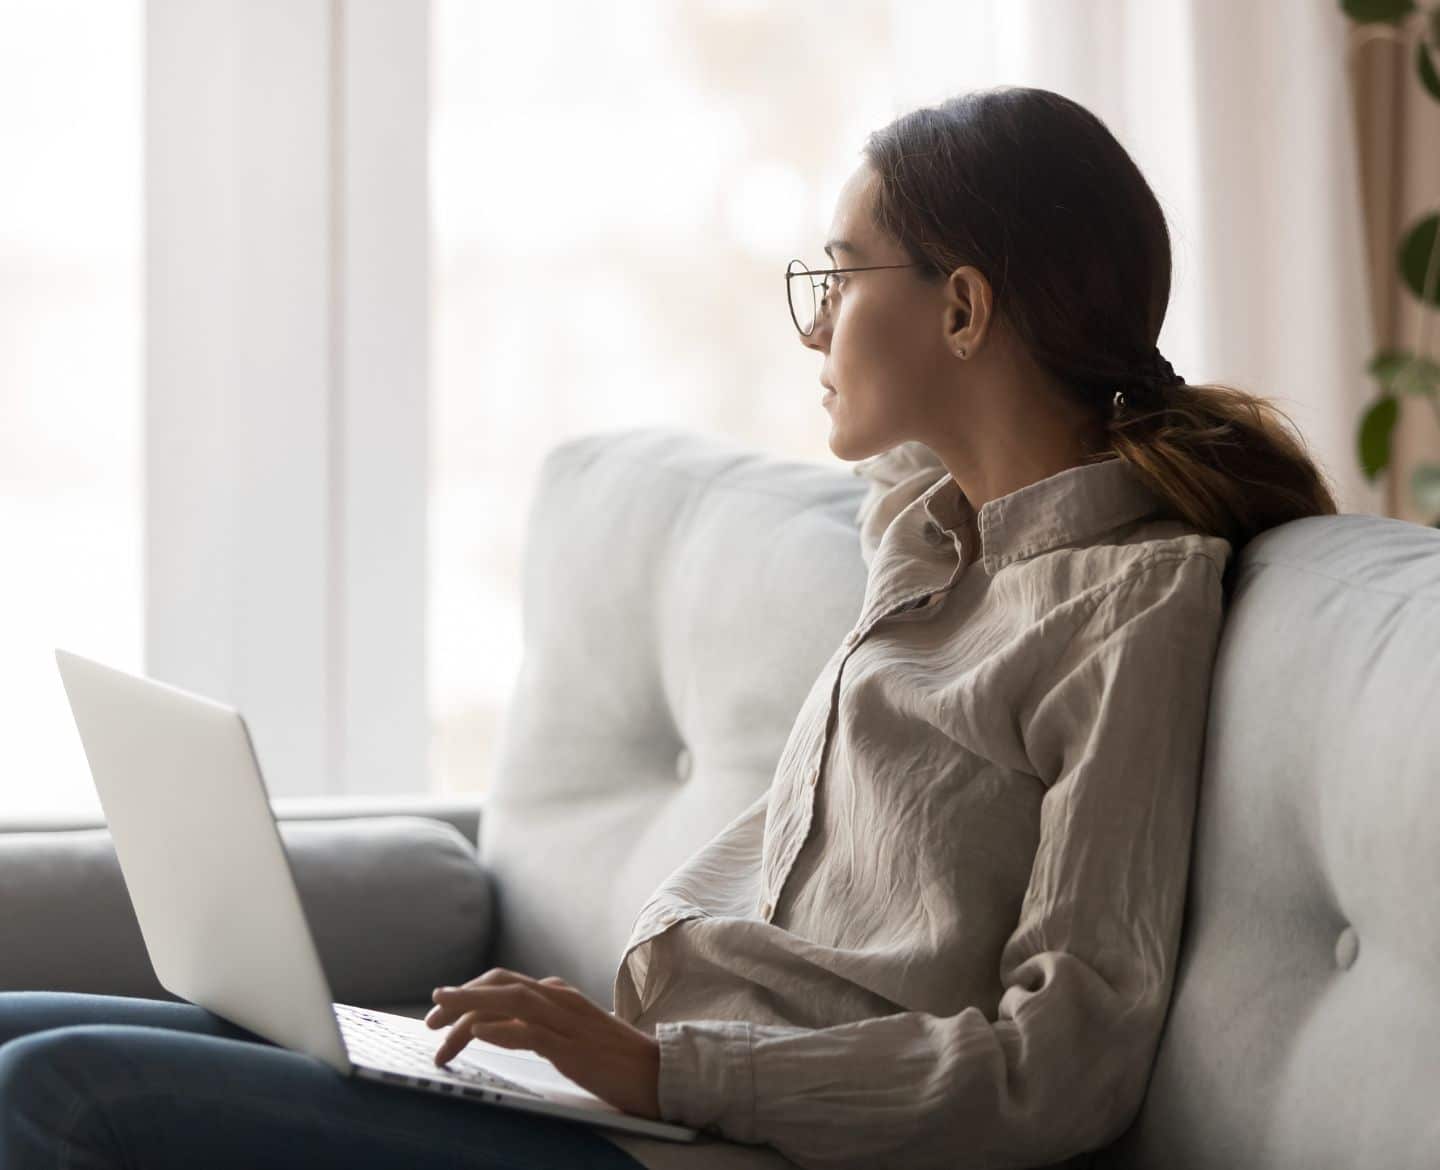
(767, 910)
(851, 638)
(814, 777)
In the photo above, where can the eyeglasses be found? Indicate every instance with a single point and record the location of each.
(810, 298)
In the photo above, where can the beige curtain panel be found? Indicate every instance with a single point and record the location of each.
(1398, 138)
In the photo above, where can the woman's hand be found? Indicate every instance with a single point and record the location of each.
(615, 1061)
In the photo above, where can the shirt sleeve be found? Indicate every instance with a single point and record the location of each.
(1115, 731)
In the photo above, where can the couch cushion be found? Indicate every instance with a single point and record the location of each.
(397, 906)
(1304, 1029)
(681, 594)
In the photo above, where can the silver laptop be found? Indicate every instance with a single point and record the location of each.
(205, 867)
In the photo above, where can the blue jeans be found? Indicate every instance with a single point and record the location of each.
(91, 1081)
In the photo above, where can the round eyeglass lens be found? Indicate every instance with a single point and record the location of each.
(803, 295)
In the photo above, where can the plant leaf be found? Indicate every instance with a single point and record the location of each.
(1400, 372)
(1425, 487)
(1415, 251)
(1375, 429)
(1426, 67)
(1387, 363)
(1371, 11)
(1421, 376)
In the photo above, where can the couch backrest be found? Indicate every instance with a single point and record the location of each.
(682, 593)
(1304, 1029)
(680, 596)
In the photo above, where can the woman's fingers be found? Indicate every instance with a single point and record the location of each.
(498, 1002)
(507, 1033)
(564, 996)
(444, 1013)
(587, 1043)
(460, 1035)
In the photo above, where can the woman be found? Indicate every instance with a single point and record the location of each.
(946, 934)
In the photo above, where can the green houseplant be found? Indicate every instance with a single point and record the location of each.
(1400, 371)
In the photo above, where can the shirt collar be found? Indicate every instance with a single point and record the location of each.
(1068, 507)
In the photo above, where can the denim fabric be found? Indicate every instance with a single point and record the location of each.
(92, 1081)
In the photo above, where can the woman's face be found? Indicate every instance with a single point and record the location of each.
(884, 336)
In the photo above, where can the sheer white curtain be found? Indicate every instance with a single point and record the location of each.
(617, 189)
(71, 405)
(1239, 116)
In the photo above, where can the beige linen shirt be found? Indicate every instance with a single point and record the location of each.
(945, 935)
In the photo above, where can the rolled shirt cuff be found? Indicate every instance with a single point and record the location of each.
(707, 1078)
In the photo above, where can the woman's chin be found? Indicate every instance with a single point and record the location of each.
(842, 443)
(847, 442)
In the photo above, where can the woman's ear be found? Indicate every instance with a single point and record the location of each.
(967, 309)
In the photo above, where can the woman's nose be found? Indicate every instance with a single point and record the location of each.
(816, 339)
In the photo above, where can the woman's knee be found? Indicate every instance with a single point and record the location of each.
(53, 1089)
(23, 1013)
(57, 1061)
(26, 1012)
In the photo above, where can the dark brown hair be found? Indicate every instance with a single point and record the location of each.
(1033, 190)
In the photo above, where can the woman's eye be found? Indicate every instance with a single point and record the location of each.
(836, 280)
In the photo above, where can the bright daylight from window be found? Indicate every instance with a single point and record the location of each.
(70, 369)
(616, 191)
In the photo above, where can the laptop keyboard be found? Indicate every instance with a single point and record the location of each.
(372, 1040)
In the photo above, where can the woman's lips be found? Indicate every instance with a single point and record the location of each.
(827, 397)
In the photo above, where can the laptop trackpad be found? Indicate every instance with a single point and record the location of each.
(535, 1072)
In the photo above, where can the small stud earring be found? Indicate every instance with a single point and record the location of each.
(961, 351)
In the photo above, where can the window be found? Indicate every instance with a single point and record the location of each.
(70, 377)
(616, 190)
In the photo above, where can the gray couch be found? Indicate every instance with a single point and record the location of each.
(680, 595)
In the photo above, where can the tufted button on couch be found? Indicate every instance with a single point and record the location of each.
(680, 595)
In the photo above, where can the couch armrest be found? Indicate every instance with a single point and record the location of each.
(397, 906)
(463, 812)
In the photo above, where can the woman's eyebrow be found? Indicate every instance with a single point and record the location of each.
(842, 246)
